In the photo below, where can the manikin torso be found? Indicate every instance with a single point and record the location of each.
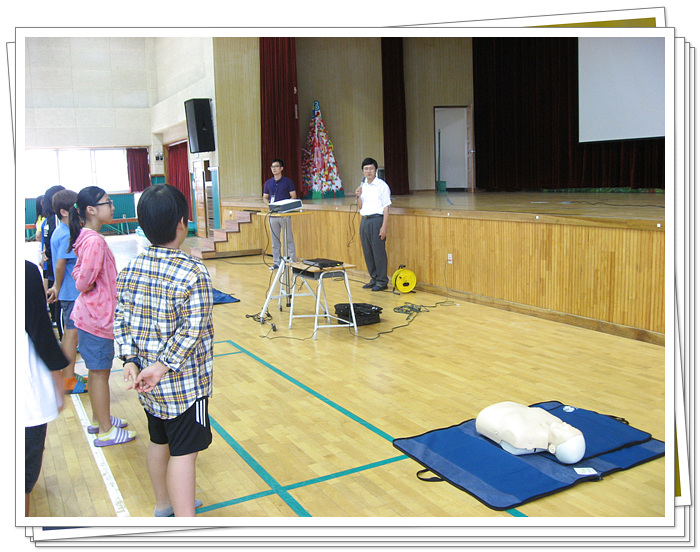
(520, 429)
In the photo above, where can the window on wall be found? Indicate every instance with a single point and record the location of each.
(75, 169)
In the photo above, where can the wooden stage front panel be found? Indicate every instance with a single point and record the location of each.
(599, 267)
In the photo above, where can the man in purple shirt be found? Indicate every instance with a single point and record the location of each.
(278, 188)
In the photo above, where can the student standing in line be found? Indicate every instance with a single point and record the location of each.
(164, 331)
(64, 290)
(48, 228)
(95, 276)
(373, 200)
(40, 218)
(279, 188)
(43, 395)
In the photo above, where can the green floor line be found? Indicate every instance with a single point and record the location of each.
(234, 501)
(306, 388)
(227, 354)
(300, 484)
(259, 470)
(343, 473)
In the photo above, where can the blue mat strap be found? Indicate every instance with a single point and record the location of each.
(420, 473)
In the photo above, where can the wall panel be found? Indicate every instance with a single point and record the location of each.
(237, 85)
(438, 72)
(344, 74)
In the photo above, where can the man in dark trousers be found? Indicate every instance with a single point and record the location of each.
(373, 200)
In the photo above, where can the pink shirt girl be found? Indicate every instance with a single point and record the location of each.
(95, 276)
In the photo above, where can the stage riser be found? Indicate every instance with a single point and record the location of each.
(573, 270)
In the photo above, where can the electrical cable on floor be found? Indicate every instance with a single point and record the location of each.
(411, 311)
(267, 336)
(256, 317)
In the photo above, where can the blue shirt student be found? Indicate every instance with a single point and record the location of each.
(59, 246)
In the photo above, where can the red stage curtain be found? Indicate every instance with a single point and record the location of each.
(279, 112)
(138, 169)
(394, 106)
(179, 172)
(526, 123)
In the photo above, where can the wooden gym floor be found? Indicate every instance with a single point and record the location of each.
(303, 427)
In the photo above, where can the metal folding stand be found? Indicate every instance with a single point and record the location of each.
(282, 276)
(322, 310)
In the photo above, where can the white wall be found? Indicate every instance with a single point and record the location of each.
(87, 92)
(184, 69)
(97, 92)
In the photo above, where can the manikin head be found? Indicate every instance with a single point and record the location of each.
(566, 443)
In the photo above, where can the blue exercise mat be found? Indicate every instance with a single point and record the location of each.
(500, 480)
(221, 297)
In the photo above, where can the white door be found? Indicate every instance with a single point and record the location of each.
(453, 152)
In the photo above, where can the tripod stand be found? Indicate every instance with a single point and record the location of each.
(283, 276)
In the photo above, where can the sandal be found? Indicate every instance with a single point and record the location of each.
(116, 422)
(72, 386)
(169, 511)
(119, 436)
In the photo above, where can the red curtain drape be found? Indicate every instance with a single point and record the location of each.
(526, 123)
(394, 109)
(179, 172)
(279, 112)
(138, 169)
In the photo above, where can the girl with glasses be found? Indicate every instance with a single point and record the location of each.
(95, 276)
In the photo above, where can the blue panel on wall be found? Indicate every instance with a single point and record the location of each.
(215, 196)
(124, 208)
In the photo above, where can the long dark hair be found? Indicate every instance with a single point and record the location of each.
(76, 216)
(39, 207)
(47, 201)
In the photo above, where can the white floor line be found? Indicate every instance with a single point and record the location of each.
(109, 481)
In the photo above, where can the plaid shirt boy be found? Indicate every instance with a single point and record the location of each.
(164, 313)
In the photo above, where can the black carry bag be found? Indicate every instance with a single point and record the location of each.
(364, 313)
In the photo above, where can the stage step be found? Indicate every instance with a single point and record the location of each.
(239, 236)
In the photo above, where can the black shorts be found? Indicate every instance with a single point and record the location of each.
(34, 439)
(189, 432)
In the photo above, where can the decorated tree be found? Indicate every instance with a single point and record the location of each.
(319, 173)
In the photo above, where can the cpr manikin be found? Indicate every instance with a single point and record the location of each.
(521, 429)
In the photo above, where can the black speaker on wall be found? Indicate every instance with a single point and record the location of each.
(200, 127)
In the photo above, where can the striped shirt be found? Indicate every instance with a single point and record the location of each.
(164, 313)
